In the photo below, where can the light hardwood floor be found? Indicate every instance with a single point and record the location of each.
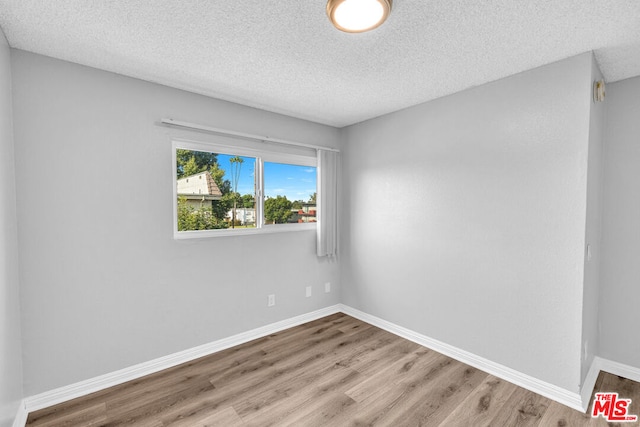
(336, 371)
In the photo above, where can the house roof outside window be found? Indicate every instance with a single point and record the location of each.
(200, 185)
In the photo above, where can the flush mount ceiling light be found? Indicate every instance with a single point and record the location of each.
(358, 16)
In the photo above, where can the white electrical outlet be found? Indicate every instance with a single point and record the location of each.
(308, 291)
(271, 301)
(327, 287)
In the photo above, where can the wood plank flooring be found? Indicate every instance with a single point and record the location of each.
(336, 371)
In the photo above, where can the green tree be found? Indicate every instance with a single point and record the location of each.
(222, 207)
(277, 210)
(218, 176)
(312, 198)
(248, 201)
(201, 160)
(297, 204)
(191, 167)
(232, 198)
(203, 218)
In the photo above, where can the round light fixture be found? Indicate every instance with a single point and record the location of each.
(358, 16)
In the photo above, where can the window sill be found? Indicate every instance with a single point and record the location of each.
(267, 229)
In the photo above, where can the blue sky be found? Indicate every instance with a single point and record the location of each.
(295, 182)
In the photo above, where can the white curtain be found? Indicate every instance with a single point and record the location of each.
(327, 200)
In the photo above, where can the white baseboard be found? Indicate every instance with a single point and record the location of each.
(578, 401)
(590, 382)
(617, 368)
(600, 364)
(21, 416)
(92, 385)
(570, 399)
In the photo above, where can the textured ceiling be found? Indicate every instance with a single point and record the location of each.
(285, 56)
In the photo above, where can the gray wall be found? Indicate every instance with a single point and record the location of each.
(100, 280)
(465, 219)
(484, 249)
(590, 338)
(620, 290)
(10, 341)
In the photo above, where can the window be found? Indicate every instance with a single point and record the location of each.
(290, 193)
(228, 190)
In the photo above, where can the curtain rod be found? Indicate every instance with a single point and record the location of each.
(193, 126)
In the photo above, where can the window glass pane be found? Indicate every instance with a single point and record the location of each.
(215, 191)
(290, 193)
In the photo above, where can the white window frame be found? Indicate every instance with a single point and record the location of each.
(261, 156)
